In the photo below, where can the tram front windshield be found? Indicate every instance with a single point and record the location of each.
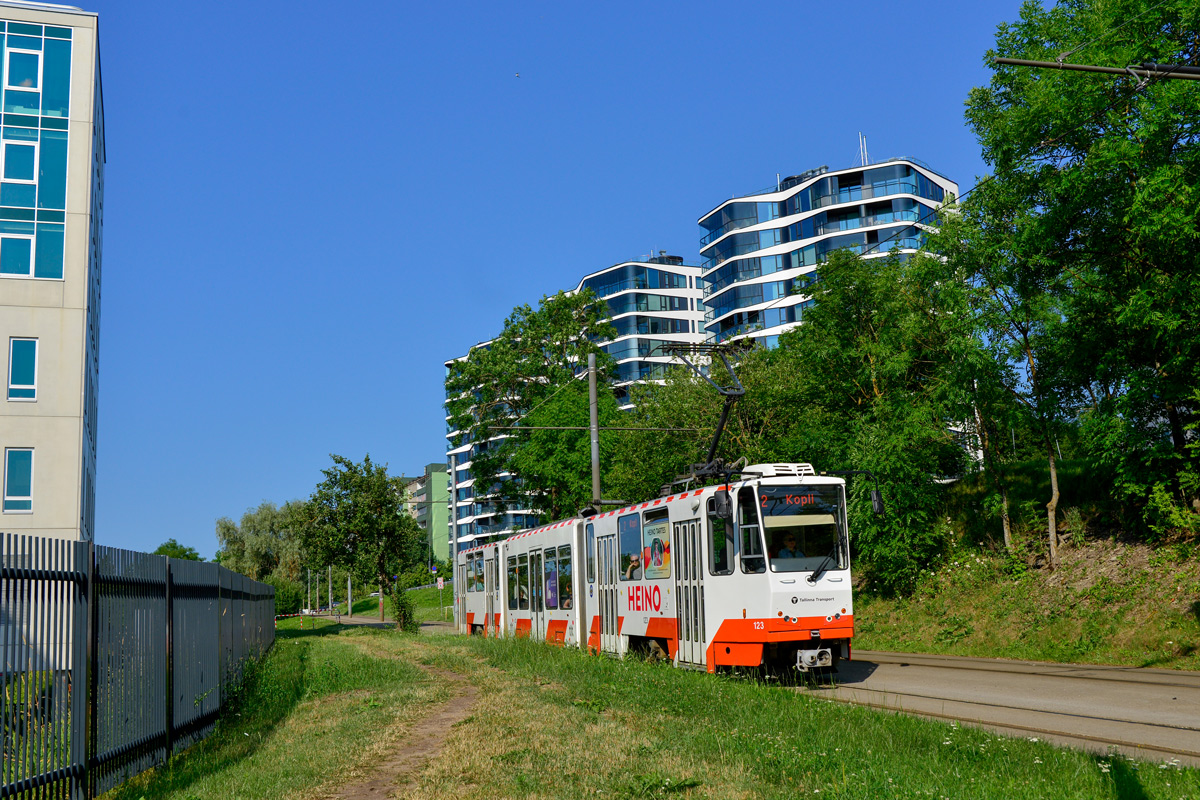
(803, 527)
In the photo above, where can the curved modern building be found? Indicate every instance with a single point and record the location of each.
(654, 302)
(761, 251)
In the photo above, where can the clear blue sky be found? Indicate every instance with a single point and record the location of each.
(309, 207)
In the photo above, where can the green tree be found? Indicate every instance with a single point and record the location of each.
(1094, 196)
(532, 366)
(173, 549)
(265, 543)
(355, 519)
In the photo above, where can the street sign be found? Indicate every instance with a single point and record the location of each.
(440, 583)
(433, 569)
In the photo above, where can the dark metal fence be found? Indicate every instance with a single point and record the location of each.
(112, 660)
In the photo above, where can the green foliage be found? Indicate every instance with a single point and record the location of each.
(404, 609)
(173, 549)
(265, 543)
(355, 520)
(1086, 239)
(289, 595)
(528, 374)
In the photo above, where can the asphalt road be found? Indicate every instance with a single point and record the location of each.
(1145, 713)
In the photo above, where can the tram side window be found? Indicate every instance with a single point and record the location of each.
(523, 582)
(752, 551)
(564, 577)
(629, 532)
(470, 573)
(479, 587)
(512, 583)
(591, 553)
(535, 584)
(551, 578)
(720, 542)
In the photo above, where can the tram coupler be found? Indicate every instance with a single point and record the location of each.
(815, 658)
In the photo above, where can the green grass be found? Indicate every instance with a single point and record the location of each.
(550, 722)
(1108, 603)
(303, 718)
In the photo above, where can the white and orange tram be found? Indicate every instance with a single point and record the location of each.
(755, 572)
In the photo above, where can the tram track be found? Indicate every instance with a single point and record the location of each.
(1143, 713)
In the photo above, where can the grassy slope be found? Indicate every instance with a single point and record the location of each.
(557, 723)
(426, 600)
(1109, 603)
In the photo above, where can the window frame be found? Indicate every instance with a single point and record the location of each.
(8, 451)
(32, 239)
(8, 54)
(37, 154)
(21, 386)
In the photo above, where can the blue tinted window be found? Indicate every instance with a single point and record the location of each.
(56, 74)
(22, 102)
(24, 42)
(22, 369)
(26, 28)
(16, 256)
(21, 195)
(21, 134)
(24, 228)
(18, 480)
(23, 69)
(19, 162)
(49, 251)
(52, 172)
(58, 33)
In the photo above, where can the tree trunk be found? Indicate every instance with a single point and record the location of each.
(1004, 519)
(381, 598)
(1052, 506)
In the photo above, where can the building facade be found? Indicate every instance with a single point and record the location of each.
(51, 215)
(426, 498)
(653, 301)
(761, 251)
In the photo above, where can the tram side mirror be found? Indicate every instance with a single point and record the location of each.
(723, 507)
(877, 503)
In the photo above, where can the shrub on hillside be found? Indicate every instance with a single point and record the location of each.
(404, 610)
(289, 595)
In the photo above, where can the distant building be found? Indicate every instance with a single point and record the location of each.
(761, 251)
(426, 499)
(51, 214)
(653, 301)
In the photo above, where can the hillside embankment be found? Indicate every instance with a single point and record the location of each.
(1109, 602)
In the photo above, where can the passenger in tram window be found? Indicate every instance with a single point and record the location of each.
(633, 568)
(564, 590)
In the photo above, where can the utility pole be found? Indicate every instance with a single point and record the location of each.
(349, 598)
(330, 588)
(594, 424)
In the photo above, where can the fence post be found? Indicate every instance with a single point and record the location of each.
(170, 704)
(93, 623)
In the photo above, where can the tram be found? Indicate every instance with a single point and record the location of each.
(753, 572)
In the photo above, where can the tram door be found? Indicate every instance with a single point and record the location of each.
(489, 587)
(689, 591)
(537, 609)
(460, 599)
(606, 589)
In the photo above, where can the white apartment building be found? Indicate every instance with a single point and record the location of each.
(51, 213)
(761, 251)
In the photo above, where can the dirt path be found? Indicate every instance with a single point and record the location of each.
(423, 743)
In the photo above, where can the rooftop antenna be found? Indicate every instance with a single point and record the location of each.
(862, 149)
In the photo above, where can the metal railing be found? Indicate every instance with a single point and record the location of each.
(112, 660)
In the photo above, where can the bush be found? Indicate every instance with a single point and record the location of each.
(404, 610)
(289, 595)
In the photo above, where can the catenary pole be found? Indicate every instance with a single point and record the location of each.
(594, 413)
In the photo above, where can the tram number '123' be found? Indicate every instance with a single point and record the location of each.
(645, 598)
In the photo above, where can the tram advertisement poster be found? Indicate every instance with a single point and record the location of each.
(657, 553)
